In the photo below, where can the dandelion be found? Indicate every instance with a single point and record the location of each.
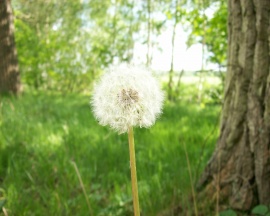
(126, 97)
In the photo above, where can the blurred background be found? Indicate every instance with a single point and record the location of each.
(54, 157)
(65, 45)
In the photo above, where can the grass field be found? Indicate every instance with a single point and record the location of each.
(44, 136)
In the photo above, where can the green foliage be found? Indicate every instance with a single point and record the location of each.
(65, 49)
(211, 31)
(261, 210)
(41, 133)
(228, 213)
(2, 203)
(216, 35)
(64, 45)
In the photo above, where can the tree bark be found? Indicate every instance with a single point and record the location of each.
(239, 169)
(9, 70)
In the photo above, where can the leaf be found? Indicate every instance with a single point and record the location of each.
(2, 203)
(260, 209)
(228, 212)
(169, 15)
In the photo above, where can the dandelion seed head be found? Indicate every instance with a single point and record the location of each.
(127, 96)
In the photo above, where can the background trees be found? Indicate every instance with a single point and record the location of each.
(64, 45)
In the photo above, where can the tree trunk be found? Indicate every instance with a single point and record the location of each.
(171, 72)
(9, 70)
(239, 171)
(149, 29)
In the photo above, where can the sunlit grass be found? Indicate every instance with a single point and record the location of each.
(191, 78)
(40, 135)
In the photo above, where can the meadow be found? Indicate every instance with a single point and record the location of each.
(55, 159)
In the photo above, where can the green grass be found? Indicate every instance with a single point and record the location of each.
(41, 134)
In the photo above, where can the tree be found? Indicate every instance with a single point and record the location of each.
(239, 169)
(178, 13)
(9, 70)
(63, 45)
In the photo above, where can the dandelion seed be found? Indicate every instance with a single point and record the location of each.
(127, 96)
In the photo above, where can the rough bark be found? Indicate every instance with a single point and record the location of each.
(239, 169)
(9, 70)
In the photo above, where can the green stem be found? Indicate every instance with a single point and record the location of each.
(133, 172)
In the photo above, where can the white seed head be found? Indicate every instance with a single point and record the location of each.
(127, 96)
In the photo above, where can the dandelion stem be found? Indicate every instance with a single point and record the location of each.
(133, 172)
